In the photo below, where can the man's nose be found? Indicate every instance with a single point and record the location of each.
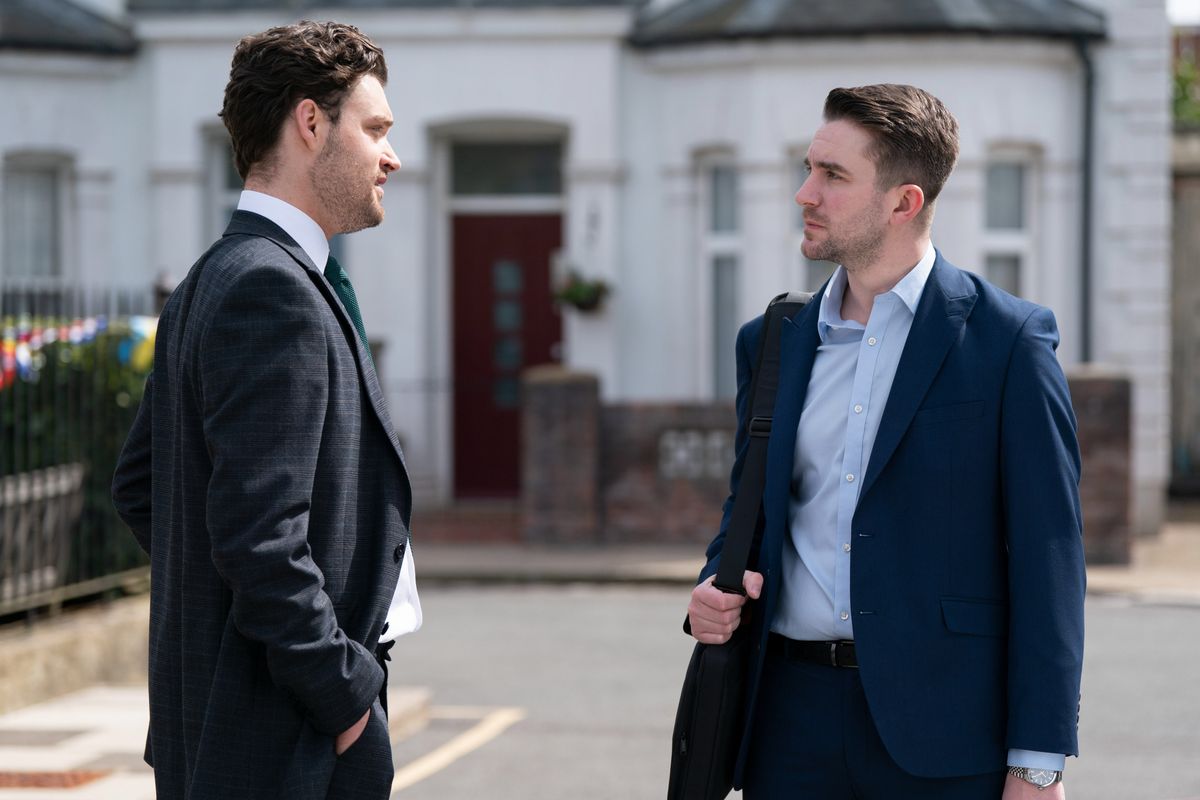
(389, 162)
(805, 196)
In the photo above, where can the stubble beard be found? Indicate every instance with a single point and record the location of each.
(336, 181)
(857, 249)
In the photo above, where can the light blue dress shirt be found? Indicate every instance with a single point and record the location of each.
(851, 379)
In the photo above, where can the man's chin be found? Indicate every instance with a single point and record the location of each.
(813, 251)
(362, 223)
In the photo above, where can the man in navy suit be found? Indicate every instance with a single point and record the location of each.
(917, 599)
(263, 474)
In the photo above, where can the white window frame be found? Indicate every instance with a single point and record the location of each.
(63, 166)
(712, 245)
(1020, 242)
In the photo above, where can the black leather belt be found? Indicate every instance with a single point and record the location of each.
(831, 654)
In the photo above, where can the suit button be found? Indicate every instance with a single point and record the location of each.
(398, 553)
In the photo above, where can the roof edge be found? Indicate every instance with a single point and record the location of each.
(670, 40)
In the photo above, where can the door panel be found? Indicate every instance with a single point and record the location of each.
(504, 321)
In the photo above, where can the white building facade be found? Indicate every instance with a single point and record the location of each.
(537, 139)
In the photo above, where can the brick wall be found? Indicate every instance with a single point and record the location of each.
(664, 470)
(1103, 406)
(641, 472)
(560, 438)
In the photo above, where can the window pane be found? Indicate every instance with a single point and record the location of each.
(506, 277)
(1005, 197)
(506, 315)
(31, 223)
(725, 325)
(1005, 271)
(506, 392)
(723, 189)
(506, 354)
(507, 168)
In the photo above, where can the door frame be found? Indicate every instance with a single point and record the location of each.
(439, 339)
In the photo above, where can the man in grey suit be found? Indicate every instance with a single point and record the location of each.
(263, 474)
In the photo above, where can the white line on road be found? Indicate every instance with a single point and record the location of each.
(460, 712)
(488, 728)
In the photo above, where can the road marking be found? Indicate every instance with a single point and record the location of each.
(460, 712)
(488, 728)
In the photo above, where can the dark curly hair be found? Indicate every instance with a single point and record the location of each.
(274, 70)
(915, 136)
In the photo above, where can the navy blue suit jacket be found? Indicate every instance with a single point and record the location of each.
(967, 580)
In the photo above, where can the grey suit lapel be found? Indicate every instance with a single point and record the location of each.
(249, 223)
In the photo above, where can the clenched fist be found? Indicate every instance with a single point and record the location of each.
(714, 615)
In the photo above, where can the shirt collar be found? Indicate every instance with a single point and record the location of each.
(295, 223)
(908, 289)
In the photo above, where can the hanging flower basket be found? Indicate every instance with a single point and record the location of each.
(582, 294)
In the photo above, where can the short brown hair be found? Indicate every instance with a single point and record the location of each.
(916, 137)
(274, 70)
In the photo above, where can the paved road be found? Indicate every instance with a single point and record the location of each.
(595, 671)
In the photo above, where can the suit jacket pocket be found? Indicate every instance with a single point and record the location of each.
(950, 413)
(310, 769)
(975, 617)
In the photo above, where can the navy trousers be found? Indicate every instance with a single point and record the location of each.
(813, 739)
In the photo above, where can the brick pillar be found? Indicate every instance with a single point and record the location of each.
(560, 455)
(1103, 406)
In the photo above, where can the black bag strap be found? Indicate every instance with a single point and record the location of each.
(743, 521)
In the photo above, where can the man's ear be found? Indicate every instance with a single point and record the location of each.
(909, 202)
(308, 121)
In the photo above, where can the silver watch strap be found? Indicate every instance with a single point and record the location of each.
(1041, 778)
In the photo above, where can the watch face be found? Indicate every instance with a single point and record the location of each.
(1041, 777)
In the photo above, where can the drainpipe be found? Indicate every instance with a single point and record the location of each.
(1085, 222)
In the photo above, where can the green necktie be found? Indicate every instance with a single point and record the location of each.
(340, 281)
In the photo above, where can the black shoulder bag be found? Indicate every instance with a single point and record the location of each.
(712, 713)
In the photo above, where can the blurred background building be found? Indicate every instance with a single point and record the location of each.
(651, 147)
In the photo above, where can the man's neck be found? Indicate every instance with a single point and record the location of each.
(292, 195)
(864, 284)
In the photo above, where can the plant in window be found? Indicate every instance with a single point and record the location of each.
(582, 293)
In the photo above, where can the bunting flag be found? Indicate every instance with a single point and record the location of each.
(25, 338)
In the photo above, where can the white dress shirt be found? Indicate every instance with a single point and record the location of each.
(404, 614)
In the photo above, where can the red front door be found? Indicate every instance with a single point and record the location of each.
(504, 320)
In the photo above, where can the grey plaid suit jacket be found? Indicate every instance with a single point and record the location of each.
(264, 478)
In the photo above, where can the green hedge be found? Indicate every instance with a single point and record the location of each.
(69, 390)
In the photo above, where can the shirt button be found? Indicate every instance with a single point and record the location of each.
(857, 409)
(398, 553)
(846, 547)
(845, 616)
(871, 341)
(850, 479)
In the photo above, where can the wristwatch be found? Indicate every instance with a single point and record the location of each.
(1041, 778)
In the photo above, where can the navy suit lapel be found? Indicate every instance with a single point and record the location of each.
(245, 222)
(945, 305)
(797, 351)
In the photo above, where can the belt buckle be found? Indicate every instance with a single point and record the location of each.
(833, 657)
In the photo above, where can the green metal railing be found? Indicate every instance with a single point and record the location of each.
(72, 366)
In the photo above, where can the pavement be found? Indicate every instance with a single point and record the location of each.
(88, 744)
